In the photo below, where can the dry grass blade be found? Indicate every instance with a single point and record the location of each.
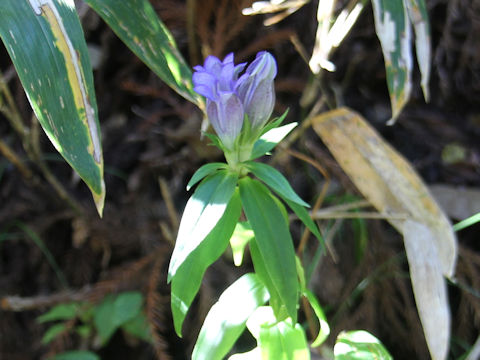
(393, 187)
(385, 178)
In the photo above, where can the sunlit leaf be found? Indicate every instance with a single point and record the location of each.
(226, 319)
(137, 24)
(283, 341)
(241, 237)
(270, 139)
(188, 278)
(47, 47)
(202, 212)
(274, 241)
(359, 345)
(324, 327)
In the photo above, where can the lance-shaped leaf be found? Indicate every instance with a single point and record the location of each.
(203, 172)
(417, 12)
(429, 286)
(270, 139)
(273, 239)
(359, 344)
(202, 212)
(226, 319)
(276, 181)
(138, 26)
(394, 32)
(188, 278)
(47, 46)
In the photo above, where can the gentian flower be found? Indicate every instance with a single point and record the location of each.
(231, 96)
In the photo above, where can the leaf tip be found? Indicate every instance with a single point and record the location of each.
(99, 198)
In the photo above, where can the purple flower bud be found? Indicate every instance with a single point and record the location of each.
(229, 97)
(256, 90)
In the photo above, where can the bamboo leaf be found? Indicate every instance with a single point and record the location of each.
(47, 46)
(273, 239)
(226, 319)
(394, 32)
(417, 12)
(138, 26)
(429, 287)
(202, 212)
(188, 278)
(390, 183)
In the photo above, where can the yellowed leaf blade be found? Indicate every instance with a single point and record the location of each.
(385, 178)
(429, 287)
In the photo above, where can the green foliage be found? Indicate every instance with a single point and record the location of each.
(136, 23)
(359, 345)
(48, 49)
(274, 243)
(226, 319)
(114, 312)
(76, 355)
(121, 311)
(187, 280)
(202, 212)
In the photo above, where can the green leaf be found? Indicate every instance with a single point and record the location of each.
(304, 216)
(275, 302)
(274, 241)
(275, 123)
(76, 355)
(138, 26)
(104, 319)
(202, 212)
(52, 332)
(127, 306)
(242, 234)
(138, 327)
(188, 278)
(204, 171)
(324, 327)
(276, 181)
(59, 312)
(394, 32)
(114, 311)
(48, 49)
(359, 345)
(283, 341)
(226, 319)
(270, 139)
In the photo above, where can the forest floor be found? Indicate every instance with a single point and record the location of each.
(152, 145)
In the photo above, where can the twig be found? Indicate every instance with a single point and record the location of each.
(172, 212)
(11, 156)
